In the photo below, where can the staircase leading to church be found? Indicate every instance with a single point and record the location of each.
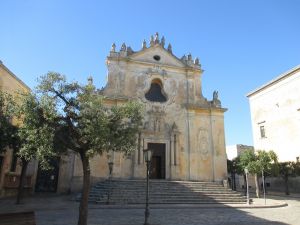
(163, 192)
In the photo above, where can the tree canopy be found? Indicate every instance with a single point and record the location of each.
(86, 125)
(7, 128)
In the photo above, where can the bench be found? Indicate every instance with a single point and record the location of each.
(20, 218)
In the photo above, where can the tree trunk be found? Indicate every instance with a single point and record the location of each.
(22, 180)
(286, 184)
(245, 185)
(256, 186)
(83, 208)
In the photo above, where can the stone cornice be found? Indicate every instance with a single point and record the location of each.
(115, 99)
(275, 81)
(147, 64)
(206, 110)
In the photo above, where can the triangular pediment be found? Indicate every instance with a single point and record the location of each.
(157, 55)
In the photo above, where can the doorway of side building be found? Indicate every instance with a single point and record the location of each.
(158, 161)
(46, 180)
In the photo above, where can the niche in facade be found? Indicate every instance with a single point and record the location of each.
(156, 92)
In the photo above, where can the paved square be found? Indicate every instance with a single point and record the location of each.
(60, 210)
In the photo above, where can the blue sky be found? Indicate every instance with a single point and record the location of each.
(241, 44)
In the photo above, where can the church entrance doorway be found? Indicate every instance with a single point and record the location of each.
(158, 161)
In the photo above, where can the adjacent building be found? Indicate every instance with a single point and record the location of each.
(234, 151)
(275, 115)
(9, 169)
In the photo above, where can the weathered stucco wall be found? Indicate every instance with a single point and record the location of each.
(190, 126)
(276, 106)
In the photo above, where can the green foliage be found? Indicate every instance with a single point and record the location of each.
(35, 133)
(246, 159)
(8, 130)
(84, 123)
(297, 168)
(235, 166)
(257, 162)
(288, 169)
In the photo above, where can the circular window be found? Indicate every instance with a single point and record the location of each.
(156, 57)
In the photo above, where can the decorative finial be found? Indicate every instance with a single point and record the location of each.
(189, 57)
(113, 48)
(156, 39)
(144, 45)
(196, 62)
(162, 42)
(90, 80)
(129, 50)
(123, 47)
(216, 102)
(170, 48)
(151, 41)
(215, 95)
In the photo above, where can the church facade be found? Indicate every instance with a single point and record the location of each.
(184, 129)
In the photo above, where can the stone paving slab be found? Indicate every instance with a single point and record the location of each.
(60, 210)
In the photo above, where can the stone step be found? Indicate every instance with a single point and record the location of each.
(163, 192)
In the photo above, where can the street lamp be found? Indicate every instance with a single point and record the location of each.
(110, 167)
(247, 172)
(233, 184)
(147, 156)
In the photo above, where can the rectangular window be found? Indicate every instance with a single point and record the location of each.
(262, 131)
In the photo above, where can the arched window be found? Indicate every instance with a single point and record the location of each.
(156, 93)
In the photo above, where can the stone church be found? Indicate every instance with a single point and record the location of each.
(184, 129)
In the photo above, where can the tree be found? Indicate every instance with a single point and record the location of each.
(234, 167)
(286, 170)
(23, 130)
(35, 133)
(7, 128)
(85, 125)
(257, 163)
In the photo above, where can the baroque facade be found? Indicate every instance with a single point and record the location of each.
(184, 129)
(275, 115)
